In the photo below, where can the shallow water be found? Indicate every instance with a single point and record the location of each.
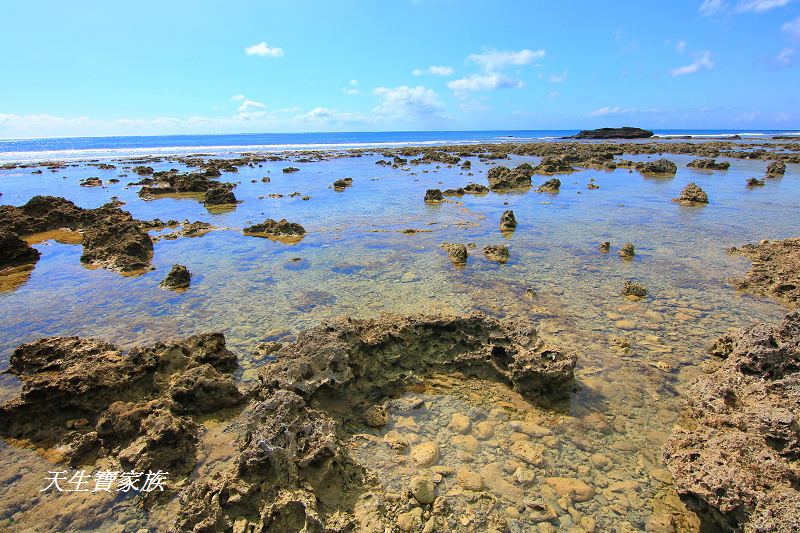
(355, 260)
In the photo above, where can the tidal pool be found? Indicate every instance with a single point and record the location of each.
(634, 358)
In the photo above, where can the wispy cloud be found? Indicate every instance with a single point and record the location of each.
(784, 57)
(494, 60)
(712, 7)
(434, 70)
(484, 82)
(352, 88)
(792, 28)
(250, 105)
(607, 111)
(558, 78)
(604, 111)
(263, 50)
(759, 6)
(680, 46)
(702, 61)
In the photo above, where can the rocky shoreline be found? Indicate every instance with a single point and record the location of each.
(735, 460)
(86, 399)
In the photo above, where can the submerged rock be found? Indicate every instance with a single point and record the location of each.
(502, 178)
(775, 270)
(692, 194)
(659, 167)
(755, 182)
(507, 221)
(290, 170)
(736, 464)
(605, 246)
(434, 196)
(496, 252)
(178, 278)
(709, 164)
(456, 252)
(14, 251)
(552, 185)
(776, 168)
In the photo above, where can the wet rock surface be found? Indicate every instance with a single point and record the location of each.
(502, 178)
(293, 470)
(456, 252)
(776, 168)
(112, 238)
(496, 252)
(660, 166)
(552, 185)
(775, 271)
(508, 221)
(15, 251)
(709, 164)
(692, 194)
(178, 278)
(276, 228)
(735, 463)
(84, 398)
(433, 196)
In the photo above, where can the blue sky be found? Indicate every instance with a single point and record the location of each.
(175, 66)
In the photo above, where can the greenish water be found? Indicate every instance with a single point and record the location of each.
(356, 261)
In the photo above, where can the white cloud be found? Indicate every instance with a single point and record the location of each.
(558, 78)
(680, 46)
(604, 111)
(237, 98)
(710, 7)
(702, 61)
(553, 94)
(352, 88)
(406, 102)
(484, 82)
(261, 49)
(784, 57)
(494, 60)
(249, 105)
(434, 70)
(792, 28)
(759, 6)
(323, 115)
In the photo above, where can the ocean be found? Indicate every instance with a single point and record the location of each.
(72, 148)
